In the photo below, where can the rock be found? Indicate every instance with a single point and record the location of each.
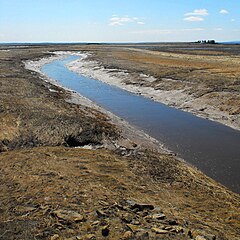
(134, 222)
(177, 229)
(133, 228)
(127, 235)
(95, 223)
(200, 238)
(139, 206)
(101, 213)
(55, 237)
(3, 148)
(172, 222)
(89, 237)
(119, 206)
(168, 228)
(160, 231)
(103, 203)
(23, 209)
(105, 231)
(127, 218)
(158, 216)
(201, 235)
(73, 238)
(211, 237)
(206, 237)
(142, 235)
(70, 216)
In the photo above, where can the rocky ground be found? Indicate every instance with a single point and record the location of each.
(54, 188)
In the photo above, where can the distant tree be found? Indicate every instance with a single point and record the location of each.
(211, 41)
(206, 41)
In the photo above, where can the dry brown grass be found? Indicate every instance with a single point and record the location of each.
(81, 180)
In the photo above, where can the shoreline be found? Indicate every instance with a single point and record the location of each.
(129, 133)
(172, 98)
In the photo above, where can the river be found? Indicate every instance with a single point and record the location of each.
(212, 147)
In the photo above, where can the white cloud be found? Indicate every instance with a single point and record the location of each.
(233, 20)
(194, 19)
(115, 24)
(117, 21)
(120, 21)
(198, 12)
(223, 11)
(196, 15)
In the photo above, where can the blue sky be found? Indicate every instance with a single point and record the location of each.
(118, 20)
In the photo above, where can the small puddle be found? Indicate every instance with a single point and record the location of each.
(210, 146)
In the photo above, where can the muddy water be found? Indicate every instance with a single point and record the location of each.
(210, 146)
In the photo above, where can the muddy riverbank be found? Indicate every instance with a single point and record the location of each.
(203, 143)
(188, 82)
(52, 190)
(128, 132)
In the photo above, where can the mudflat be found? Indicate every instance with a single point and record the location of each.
(202, 79)
(118, 189)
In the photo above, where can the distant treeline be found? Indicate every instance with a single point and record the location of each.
(207, 41)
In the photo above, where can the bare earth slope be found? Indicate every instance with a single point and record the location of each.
(50, 190)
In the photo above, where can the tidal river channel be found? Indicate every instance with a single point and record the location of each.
(211, 147)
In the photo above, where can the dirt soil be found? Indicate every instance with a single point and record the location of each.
(53, 188)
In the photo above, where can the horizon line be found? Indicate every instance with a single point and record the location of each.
(130, 42)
